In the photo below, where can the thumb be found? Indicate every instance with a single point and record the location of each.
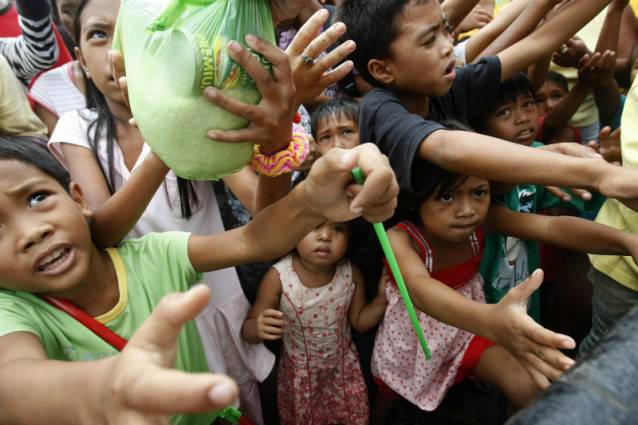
(161, 329)
(521, 292)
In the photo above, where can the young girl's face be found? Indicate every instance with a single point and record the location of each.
(336, 132)
(324, 246)
(514, 121)
(45, 242)
(548, 96)
(97, 24)
(453, 215)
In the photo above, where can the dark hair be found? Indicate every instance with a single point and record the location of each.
(334, 108)
(367, 25)
(558, 79)
(32, 151)
(105, 123)
(508, 91)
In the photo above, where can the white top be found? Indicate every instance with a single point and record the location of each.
(220, 325)
(56, 91)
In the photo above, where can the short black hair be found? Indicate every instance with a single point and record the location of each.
(334, 108)
(508, 91)
(32, 151)
(558, 79)
(372, 25)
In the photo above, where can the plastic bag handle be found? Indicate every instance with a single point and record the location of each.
(173, 11)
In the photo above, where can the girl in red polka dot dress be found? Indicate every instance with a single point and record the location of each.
(310, 298)
(439, 255)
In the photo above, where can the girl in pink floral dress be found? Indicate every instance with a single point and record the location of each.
(310, 298)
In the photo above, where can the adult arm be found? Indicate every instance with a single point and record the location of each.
(457, 10)
(36, 49)
(136, 386)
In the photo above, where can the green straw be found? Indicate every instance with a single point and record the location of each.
(357, 173)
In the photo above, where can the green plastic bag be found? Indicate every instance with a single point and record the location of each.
(173, 49)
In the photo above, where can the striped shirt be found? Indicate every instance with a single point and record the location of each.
(36, 49)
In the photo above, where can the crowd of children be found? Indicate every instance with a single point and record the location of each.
(495, 136)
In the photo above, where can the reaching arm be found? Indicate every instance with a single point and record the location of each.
(113, 215)
(366, 316)
(457, 10)
(483, 37)
(524, 23)
(548, 37)
(568, 232)
(264, 321)
(560, 115)
(135, 386)
(505, 323)
(323, 195)
(494, 159)
(36, 49)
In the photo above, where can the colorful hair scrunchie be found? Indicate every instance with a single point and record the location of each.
(284, 161)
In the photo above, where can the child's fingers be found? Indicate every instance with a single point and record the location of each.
(167, 391)
(331, 77)
(544, 337)
(252, 66)
(552, 368)
(277, 58)
(159, 332)
(326, 39)
(540, 379)
(273, 322)
(559, 193)
(307, 32)
(272, 331)
(336, 56)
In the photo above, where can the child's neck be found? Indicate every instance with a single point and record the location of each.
(312, 276)
(416, 104)
(448, 253)
(99, 292)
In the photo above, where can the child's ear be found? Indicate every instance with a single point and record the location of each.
(85, 69)
(78, 197)
(381, 71)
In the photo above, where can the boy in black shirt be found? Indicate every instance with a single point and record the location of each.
(405, 50)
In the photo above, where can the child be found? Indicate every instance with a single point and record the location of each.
(439, 255)
(47, 250)
(508, 261)
(310, 298)
(412, 64)
(549, 96)
(335, 123)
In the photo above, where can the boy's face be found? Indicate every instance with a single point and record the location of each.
(337, 132)
(548, 96)
(421, 56)
(514, 121)
(45, 242)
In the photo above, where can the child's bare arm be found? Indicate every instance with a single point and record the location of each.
(525, 23)
(136, 386)
(483, 37)
(366, 316)
(326, 194)
(548, 38)
(457, 10)
(113, 215)
(494, 159)
(506, 323)
(264, 321)
(573, 233)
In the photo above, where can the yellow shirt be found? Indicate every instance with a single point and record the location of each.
(614, 213)
(16, 116)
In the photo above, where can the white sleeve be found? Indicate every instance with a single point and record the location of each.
(39, 94)
(71, 128)
(459, 52)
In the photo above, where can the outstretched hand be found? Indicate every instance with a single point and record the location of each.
(311, 69)
(534, 346)
(608, 145)
(143, 388)
(330, 190)
(270, 120)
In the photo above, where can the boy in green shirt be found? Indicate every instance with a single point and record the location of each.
(46, 249)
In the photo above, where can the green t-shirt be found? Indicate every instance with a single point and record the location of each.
(147, 269)
(507, 261)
